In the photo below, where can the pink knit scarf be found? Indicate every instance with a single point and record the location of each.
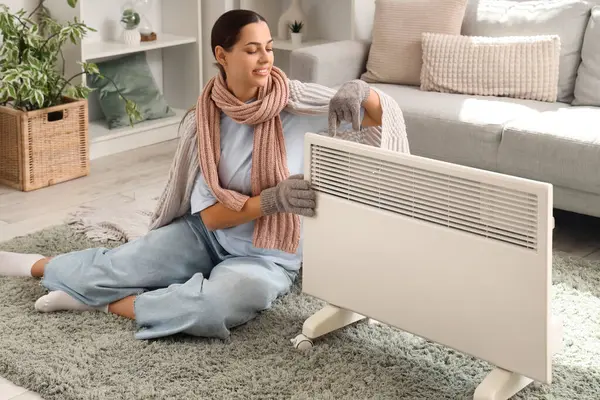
(269, 161)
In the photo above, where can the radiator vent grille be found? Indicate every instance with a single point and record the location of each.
(483, 209)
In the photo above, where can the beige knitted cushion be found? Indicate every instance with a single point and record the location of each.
(395, 54)
(523, 67)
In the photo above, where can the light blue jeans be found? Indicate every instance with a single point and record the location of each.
(185, 281)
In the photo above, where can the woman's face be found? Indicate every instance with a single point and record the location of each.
(250, 60)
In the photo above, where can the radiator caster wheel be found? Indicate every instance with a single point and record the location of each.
(302, 342)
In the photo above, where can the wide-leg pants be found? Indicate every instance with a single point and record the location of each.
(184, 280)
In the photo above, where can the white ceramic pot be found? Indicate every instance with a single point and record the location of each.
(296, 38)
(131, 37)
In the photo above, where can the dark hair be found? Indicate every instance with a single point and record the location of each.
(226, 31)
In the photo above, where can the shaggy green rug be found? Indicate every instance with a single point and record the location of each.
(70, 356)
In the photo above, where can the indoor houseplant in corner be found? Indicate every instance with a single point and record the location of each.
(43, 114)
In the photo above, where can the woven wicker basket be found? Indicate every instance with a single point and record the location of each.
(44, 147)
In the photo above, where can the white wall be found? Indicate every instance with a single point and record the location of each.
(364, 14)
(269, 9)
(211, 11)
(18, 4)
(327, 19)
(335, 20)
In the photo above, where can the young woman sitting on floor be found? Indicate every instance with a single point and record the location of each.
(237, 247)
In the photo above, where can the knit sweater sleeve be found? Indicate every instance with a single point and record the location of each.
(313, 98)
(309, 98)
(175, 198)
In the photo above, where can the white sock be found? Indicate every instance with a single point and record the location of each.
(60, 301)
(17, 264)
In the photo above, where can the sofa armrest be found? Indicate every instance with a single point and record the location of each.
(330, 64)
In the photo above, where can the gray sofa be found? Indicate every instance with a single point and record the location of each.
(551, 142)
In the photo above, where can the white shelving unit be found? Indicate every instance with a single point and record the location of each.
(181, 59)
(110, 48)
(175, 60)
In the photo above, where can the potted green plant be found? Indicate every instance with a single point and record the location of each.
(43, 114)
(130, 19)
(296, 32)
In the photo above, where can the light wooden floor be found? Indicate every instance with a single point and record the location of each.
(112, 180)
(141, 174)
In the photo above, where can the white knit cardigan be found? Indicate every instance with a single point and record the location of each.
(305, 99)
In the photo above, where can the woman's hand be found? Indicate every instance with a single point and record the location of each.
(292, 195)
(345, 104)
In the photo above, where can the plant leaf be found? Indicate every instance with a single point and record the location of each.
(11, 77)
(39, 97)
(81, 92)
(132, 111)
(72, 3)
(12, 91)
(4, 94)
(90, 68)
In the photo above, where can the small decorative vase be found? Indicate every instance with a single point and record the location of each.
(131, 37)
(294, 13)
(296, 38)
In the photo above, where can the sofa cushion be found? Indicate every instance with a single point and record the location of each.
(469, 65)
(462, 129)
(561, 147)
(395, 53)
(565, 18)
(587, 85)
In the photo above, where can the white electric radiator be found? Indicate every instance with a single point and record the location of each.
(456, 255)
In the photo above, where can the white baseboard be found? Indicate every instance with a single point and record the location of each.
(133, 141)
(104, 142)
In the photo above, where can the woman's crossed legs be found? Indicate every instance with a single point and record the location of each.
(174, 279)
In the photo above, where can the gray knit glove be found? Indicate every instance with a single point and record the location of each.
(292, 195)
(345, 104)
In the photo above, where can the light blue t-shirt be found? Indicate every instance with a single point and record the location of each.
(234, 171)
